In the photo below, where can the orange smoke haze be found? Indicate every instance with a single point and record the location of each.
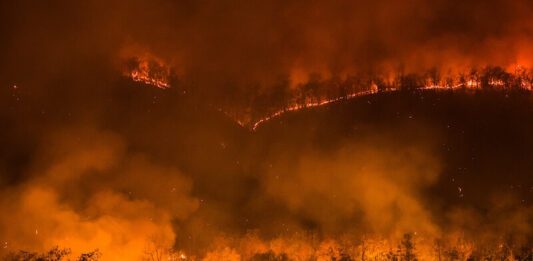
(430, 157)
(85, 194)
(230, 47)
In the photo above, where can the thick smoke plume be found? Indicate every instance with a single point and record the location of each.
(226, 49)
(84, 193)
(90, 159)
(373, 181)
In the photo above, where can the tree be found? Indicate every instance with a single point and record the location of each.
(495, 77)
(409, 82)
(90, 256)
(409, 247)
(54, 254)
(269, 256)
(433, 76)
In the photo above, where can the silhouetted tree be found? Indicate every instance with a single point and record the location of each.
(409, 247)
(433, 75)
(270, 256)
(90, 256)
(54, 254)
(491, 75)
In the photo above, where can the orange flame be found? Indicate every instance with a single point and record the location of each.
(149, 70)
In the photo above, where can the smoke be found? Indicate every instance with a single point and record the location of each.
(236, 47)
(373, 186)
(250, 58)
(87, 191)
(90, 160)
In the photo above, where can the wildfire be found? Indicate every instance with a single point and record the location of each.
(298, 107)
(142, 76)
(153, 71)
(524, 83)
(149, 70)
(408, 247)
(472, 84)
(371, 91)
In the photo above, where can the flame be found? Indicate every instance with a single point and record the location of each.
(471, 83)
(142, 76)
(410, 246)
(298, 107)
(149, 70)
(153, 71)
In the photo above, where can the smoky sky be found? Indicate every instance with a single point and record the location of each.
(221, 46)
(80, 141)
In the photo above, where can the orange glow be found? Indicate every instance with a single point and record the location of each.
(266, 130)
(429, 84)
(149, 70)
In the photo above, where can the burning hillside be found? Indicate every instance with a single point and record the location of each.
(320, 92)
(148, 70)
(275, 130)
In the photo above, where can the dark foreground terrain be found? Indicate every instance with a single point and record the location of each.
(388, 165)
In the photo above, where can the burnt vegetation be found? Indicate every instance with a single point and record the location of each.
(364, 250)
(54, 254)
(283, 97)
